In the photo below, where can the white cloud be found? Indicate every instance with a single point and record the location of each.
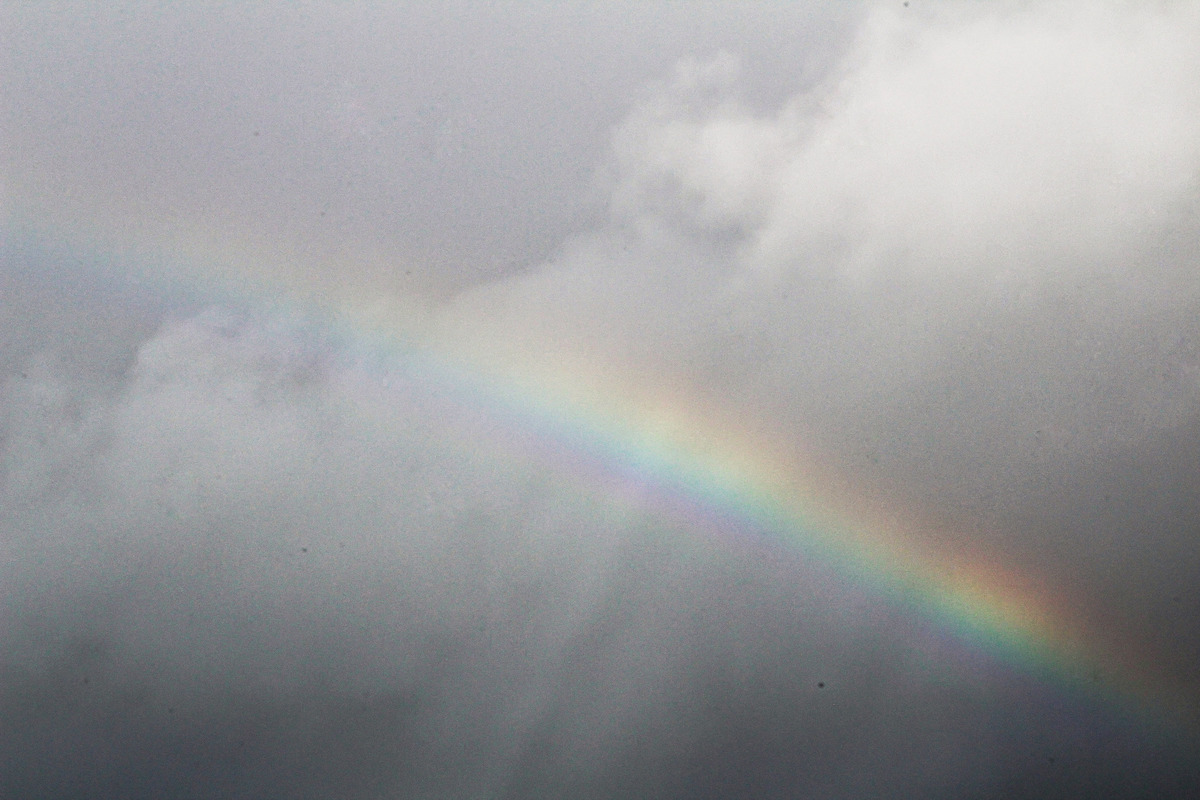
(973, 145)
(995, 204)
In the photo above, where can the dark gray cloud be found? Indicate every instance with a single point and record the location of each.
(245, 551)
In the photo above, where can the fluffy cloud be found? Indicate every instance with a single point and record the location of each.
(1035, 140)
(996, 205)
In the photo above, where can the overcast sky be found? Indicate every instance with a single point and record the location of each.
(291, 295)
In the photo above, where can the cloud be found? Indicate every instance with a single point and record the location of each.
(245, 552)
(264, 560)
(1022, 143)
(997, 206)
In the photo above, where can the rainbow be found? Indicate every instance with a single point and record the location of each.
(697, 460)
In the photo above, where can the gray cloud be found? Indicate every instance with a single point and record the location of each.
(346, 135)
(949, 249)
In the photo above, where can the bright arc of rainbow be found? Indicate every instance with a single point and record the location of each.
(699, 458)
(704, 459)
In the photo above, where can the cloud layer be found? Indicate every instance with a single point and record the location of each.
(244, 552)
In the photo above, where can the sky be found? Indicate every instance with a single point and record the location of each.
(669, 399)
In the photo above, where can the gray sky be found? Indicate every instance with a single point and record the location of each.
(938, 260)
